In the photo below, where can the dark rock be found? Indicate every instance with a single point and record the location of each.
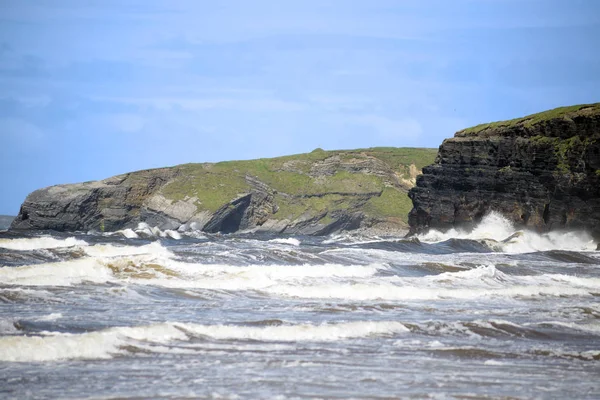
(108, 205)
(313, 194)
(542, 172)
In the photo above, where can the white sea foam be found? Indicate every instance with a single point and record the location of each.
(113, 341)
(109, 250)
(129, 233)
(292, 241)
(93, 345)
(43, 242)
(299, 332)
(151, 265)
(496, 227)
(590, 327)
(225, 277)
(493, 363)
(367, 292)
(482, 282)
(56, 274)
(328, 281)
(143, 229)
(172, 234)
(50, 317)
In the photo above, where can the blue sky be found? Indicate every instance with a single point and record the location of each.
(97, 88)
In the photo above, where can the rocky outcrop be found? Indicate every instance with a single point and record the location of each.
(541, 171)
(315, 193)
(108, 205)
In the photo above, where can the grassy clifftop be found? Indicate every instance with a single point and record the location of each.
(314, 193)
(530, 122)
(374, 180)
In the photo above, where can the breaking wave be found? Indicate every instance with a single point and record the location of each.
(499, 234)
(152, 265)
(112, 342)
(43, 242)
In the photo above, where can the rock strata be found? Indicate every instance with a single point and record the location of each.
(315, 193)
(540, 171)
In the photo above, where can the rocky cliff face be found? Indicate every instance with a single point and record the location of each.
(541, 171)
(314, 193)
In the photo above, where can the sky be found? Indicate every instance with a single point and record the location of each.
(92, 89)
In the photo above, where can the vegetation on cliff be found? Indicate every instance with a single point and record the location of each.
(316, 182)
(315, 192)
(540, 171)
(568, 113)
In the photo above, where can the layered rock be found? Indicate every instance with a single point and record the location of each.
(315, 193)
(541, 171)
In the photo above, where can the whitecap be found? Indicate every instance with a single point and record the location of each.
(109, 342)
(291, 241)
(42, 242)
(500, 233)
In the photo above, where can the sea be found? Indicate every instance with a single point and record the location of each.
(493, 313)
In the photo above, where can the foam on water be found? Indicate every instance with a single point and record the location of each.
(50, 317)
(175, 274)
(299, 332)
(93, 345)
(109, 250)
(128, 233)
(292, 241)
(114, 341)
(327, 281)
(64, 273)
(43, 242)
(494, 226)
(482, 282)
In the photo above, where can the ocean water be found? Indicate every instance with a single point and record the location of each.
(142, 313)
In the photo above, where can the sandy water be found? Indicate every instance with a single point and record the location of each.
(489, 314)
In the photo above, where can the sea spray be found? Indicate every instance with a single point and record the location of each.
(497, 228)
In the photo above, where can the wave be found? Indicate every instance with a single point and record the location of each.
(477, 283)
(143, 230)
(110, 250)
(151, 265)
(177, 337)
(117, 341)
(65, 273)
(291, 241)
(325, 281)
(42, 242)
(500, 234)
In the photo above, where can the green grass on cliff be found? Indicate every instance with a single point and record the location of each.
(391, 204)
(531, 120)
(312, 183)
(566, 151)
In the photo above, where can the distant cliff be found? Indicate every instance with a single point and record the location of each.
(542, 171)
(314, 193)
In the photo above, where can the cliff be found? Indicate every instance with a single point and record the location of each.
(542, 171)
(314, 193)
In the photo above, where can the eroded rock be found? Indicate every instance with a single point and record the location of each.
(541, 171)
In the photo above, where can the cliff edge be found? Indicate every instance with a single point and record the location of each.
(541, 171)
(314, 193)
